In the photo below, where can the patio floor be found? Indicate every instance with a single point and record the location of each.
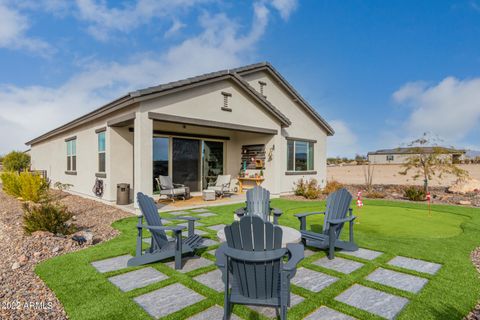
(159, 297)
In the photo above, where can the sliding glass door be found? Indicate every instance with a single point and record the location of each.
(186, 162)
(192, 162)
(212, 161)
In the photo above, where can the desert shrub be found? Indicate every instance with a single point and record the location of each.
(375, 195)
(307, 189)
(16, 161)
(26, 185)
(332, 186)
(414, 193)
(300, 187)
(10, 183)
(47, 216)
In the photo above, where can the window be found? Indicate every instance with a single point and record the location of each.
(72, 154)
(299, 155)
(101, 152)
(390, 157)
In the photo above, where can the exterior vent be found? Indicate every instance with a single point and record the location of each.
(226, 95)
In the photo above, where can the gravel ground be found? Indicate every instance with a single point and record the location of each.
(23, 295)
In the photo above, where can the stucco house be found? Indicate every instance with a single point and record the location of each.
(400, 155)
(194, 129)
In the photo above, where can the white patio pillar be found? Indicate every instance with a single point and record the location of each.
(143, 155)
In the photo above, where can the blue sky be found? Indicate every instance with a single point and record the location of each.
(381, 72)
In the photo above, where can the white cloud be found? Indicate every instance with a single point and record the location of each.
(13, 28)
(104, 20)
(222, 43)
(344, 142)
(177, 25)
(285, 7)
(450, 109)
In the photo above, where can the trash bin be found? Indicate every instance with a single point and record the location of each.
(123, 193)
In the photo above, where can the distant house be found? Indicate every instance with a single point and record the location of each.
(248, 119)
(400, 155)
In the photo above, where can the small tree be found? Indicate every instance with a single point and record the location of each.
(368, 170)
(16, 161)
(430, 162)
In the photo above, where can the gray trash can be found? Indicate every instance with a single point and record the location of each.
(123, 193)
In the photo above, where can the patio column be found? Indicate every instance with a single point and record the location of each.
(143, 155)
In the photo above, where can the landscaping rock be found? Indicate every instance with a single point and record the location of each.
(465, 202)
(463, 186)
(19, 252)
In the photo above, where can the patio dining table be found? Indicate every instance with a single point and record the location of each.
(290, 235)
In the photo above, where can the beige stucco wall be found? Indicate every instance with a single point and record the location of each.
(129, 154)
(51, 155)
(303, 127)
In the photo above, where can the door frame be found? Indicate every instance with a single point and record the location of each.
(201, 139)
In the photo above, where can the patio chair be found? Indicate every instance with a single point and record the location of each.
(253, 265)
(338, 205)
(221, 186)
(160, 247)
(170, 189)
(258, 203)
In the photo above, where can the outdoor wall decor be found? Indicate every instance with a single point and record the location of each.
(253, 156)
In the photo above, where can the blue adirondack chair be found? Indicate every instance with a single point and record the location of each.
(252, 264)
(258, 203)
(338, 205)
(160, 247)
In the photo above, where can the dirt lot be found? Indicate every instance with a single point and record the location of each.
(389, 174)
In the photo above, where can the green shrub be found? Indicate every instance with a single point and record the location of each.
(307, 189)
(414, 193)
(16, 161)
(47, 216)
(332, 186)
(300, 187)
(26, 185)
(11, 183)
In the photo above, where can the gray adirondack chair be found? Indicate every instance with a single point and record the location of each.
(252, 264)
(338, 205)
(258, 203)
(160, 247)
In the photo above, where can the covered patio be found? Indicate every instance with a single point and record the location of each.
(191, 151)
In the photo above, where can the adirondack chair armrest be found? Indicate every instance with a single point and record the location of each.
(255, 256)
(162, 228)
(296, 251)
(178, 185)
(339, 221)
(240, 212)
(277, 212)
(306, 214)
(184, 218)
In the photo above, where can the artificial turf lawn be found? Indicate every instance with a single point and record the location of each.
(395, 228)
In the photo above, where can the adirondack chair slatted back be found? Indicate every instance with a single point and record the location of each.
(338, 204)
(150, 213)
(166, 182)
(222, 180)
(258, 280)
(258, 202)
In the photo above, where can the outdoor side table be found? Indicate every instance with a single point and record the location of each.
(208, 195)
(290, 235)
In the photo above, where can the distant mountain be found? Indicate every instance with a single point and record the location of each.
(472, 154)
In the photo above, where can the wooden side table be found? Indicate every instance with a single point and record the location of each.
(241, 180)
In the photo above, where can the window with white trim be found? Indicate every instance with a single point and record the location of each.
(72, 155)
(299, 155)
(101, 152)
